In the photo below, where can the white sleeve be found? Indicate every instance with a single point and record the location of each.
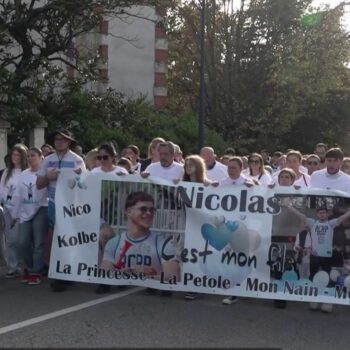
(2, 185)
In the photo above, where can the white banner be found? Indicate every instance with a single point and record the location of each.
(231, 240)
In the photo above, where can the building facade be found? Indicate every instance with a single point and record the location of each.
(132, 51)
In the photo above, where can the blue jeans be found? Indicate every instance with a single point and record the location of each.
(31, 240)
(52, 214)
(11, 252)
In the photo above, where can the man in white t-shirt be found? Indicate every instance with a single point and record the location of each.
(166, 168)
(63, 158)
(216, 171)
(331, 178)
(320, 151)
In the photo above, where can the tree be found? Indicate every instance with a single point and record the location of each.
(34, 37)
(110, 116)
(272, 66)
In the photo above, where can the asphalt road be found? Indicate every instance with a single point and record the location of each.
(34, 316)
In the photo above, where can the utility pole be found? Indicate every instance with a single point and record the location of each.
(201, 108)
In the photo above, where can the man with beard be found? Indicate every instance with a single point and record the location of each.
(166, 168)
(331, 178)
(320, 151)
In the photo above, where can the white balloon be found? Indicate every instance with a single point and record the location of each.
(244, 240)
(347, 282)
(321, 279)
(334, 274)
(218, 220)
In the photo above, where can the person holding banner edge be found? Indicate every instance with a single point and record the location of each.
(236, 177)
(195, 171)
(321, 232)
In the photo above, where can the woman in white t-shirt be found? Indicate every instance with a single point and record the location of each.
(256, 170)
(8, 185)
(294, 159)
(195, 171)
(235, 178)
(107, 156)
(285, 178)
(33, 219)
(235, 175)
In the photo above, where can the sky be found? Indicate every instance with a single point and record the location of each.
(332, 4)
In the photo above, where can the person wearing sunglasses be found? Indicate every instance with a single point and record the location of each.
(107, 156)
(139, 249)
(256, 170)
(312, 163)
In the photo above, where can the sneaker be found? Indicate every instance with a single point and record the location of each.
(230, 300)
(190, 296)
(327, 308)
(314, 306)
(25, 277)
(34, 280)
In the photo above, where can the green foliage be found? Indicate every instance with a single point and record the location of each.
(34, 37)
(95, 119)
(276, 72)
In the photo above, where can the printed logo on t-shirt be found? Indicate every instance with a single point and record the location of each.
(321, 231)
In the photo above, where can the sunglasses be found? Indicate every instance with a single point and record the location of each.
(254, 161)
(312, 163)
(102, 157)
(144, 210)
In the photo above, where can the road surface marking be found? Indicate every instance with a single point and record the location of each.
(68, 310)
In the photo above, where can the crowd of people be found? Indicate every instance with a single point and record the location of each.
(28, 184)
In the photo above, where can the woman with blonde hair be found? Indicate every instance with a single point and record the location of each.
(195, 170)
(256, 170)
(346, 165)
(152, 153)
(91, 160)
